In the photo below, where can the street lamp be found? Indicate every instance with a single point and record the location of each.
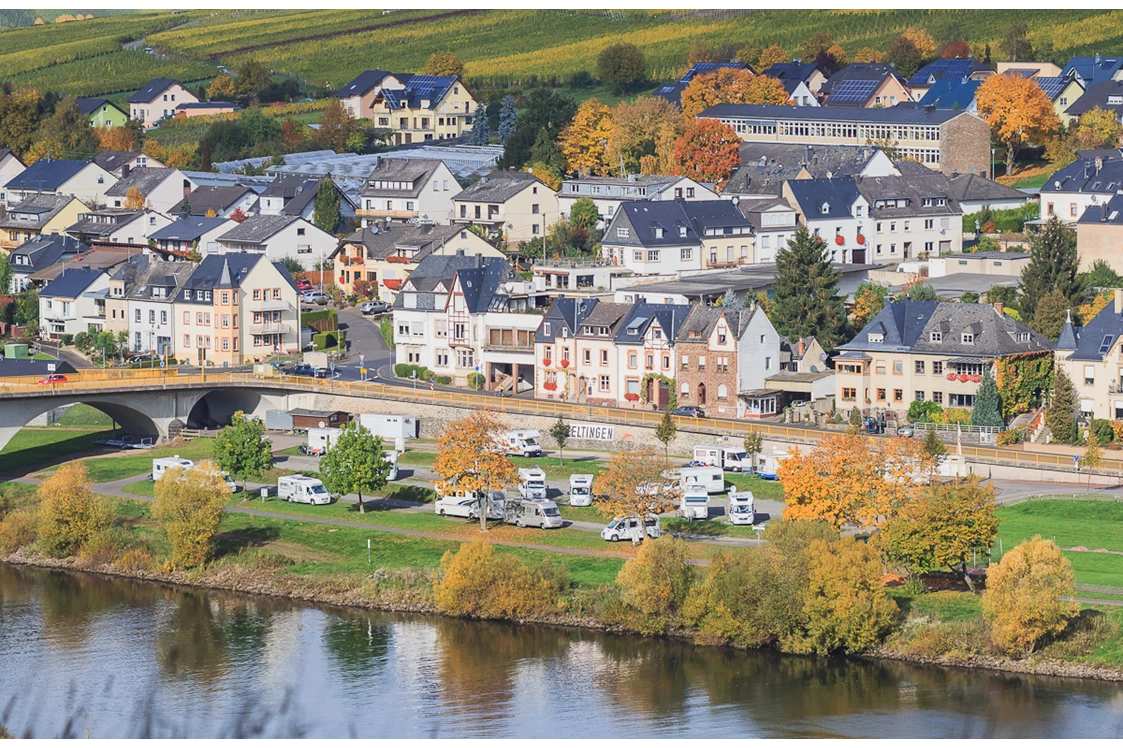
(992, 174)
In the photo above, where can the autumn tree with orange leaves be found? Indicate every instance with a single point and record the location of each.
(1018, 112)
(731, 86)
(584, 141)
(472, 458)
(648, 126)
(116, 138)
(633, 485)
(847, 479)
(707, 152)
(135, 200)
(771, 56)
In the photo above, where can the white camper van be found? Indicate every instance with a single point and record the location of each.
(695, 502)
(733, 459)
(301, 489)
(769, 464)
(710, 478)
(532, 483)
(532, 513)
(468, 505)
(321, 440)
(624, 528)
(162, 464)
(523, 443)
(580, 489)
(741, 508)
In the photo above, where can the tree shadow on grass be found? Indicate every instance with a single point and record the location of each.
(233, 542)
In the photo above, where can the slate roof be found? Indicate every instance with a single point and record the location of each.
(792, 71)
(113, 160)
(416, 171)
(944, 69)
(362, 83)
(752, 210)
(713, 214)
(151, 90)
(766, 166)
(228, 270)
(1098, 96)
(381, 242)
(498, 187)
(907, 327)
(1094, 69)
(914, 189)
(218, 199)
(88, 223)
(46, 175)
(701, 321)
(973, 188)
(1108, 212)
(44, 251)
(1093, 341)
(88, 106)
(1081, 176)
(257, 229)
(71, 283)
(187, 229)
(839, 195)
(479, 278)
(644, 217)
(672, 92)
(951, 93)
(98, 257)
(893, 115)
(31, 367)
(603, 314)
(44, 207)
(640, 317)
(144, 178)
(147, 274)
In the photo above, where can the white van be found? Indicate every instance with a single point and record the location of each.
(623, 528)
(695, 503)
(532, 483)
(733, 459)
(468, 505)
(523, 443)
(580, 489)
(321, 440)
(711, 478)
(301, 489)
(770, 464)
(392, 458)
(532, 513)
(741, 508)
(162, 464)
(231, 485)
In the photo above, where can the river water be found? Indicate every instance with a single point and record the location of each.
(87, 655)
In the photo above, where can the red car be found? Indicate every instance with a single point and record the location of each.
(52, 379)
(304, 285)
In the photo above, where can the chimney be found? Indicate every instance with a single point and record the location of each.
(999, 307)
(1099, 163)
(1103, 211)
(799, 348)
(1119, 301)
(124, 171)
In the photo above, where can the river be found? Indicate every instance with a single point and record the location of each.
(88, 655)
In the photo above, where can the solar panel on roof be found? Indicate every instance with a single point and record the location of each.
(1051, 86)
(857, 90)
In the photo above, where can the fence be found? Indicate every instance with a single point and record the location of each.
(1066, 497)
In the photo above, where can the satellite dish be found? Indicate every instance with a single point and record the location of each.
(322, 424)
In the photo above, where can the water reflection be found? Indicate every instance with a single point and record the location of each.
(123, 659)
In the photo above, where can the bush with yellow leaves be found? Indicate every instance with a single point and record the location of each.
(70, 513)
(655, 585)
(477, 582)
(189, 506)
(846, 606)
(17, 529)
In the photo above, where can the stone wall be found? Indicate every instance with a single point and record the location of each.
(966, 146)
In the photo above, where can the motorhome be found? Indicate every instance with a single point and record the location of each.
(320, 440)
(467, 504)
(711, 478)
(741, 508)
(627, 528)
(769, 465)
(392, 458)
(532, 483)
(733, 459)
(523, 443)
(162, 464)
(389, 426)
(580, 489)
(695, 502)
(532, 513)
(301, 489)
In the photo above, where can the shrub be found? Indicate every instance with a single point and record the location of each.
(655, 584)
(1023, 602)
(442, 379)
(18, 529)
(846, 604)
(189, 506)
(953, 415)
(134, 559)
(70, 514)
(66, 339)
(321, 320)
(921, 411)
(1101, 427)
(406, 371)
(477, 582)
(741, 600)
(477, 381)
(324, 340)
(103, 547)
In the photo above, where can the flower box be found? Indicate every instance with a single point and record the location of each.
(976, 378)
(860, 238)
(547, 362)
(550, 386)
(951, 376)
(964, 377)
(839, 240)
(631, 396)
(565, 363)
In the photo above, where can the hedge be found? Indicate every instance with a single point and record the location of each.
(321, 320)
(324, 340)
(406, 371)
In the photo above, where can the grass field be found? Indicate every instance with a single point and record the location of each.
(1092, 524)
(106, 469)
(33, 446)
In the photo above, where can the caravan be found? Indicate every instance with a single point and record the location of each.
(695, 503)
(161, 464)
(712, 479)
(733, 459)
(628, 528)
(320, 440)
(741, 508)
(301, 489)
(532, 513)
(770, 465)
(523, 443)
(461, 504)
(580, 489)
(532, 483)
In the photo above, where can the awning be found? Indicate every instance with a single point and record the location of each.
(967, 360)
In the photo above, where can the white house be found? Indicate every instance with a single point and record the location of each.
(773, 222)
(222, 201)
(1084, 183)
(84, 180)
(73, 302)
(117, 226)
(666, 237)
(512, 205)
(158, 99)
(161, 188)
(278, 237)
(608, 192)
(192, 233)
(406, 189)
(835, 210)
(10, 166)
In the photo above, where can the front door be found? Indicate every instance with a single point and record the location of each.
(701, 394)
(858, 256)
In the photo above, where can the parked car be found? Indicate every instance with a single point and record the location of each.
(906, 431)
(623, 528)
(689, 410)
(311, 297)
(374, 307)
(302, 370)
(304, 285)
(52, 379)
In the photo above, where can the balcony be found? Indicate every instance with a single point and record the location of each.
(376, 213)
(269, 305)
(270, 328)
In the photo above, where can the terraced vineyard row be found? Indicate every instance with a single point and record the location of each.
(111, 73)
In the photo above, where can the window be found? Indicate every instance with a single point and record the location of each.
(225, 297)
(186, 319)
(968, 337)
(623, 232)
(649, 361)
(938, 397)
(685, 389)
(961, 401)
(632, 361)
(898, 395)
(881, 393)
(588, 356)
(465, 358)
(163, 317)
(1089, 375)
(898, 367)
(137, 312)
(604, 358)
(1072, 209)
(653, 255)
(935, 337)
(701, 363)
(686, 253)
(849, 394)
(722, 392)
(919, 367)
(937, 367)
(534, 208)
(186, 341)
(603, 383)
(879, 367)
(918, 396)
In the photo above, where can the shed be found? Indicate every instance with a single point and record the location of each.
(303, 418)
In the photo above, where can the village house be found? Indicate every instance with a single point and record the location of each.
(160, 188)
(73, 302)
(38, 253)
(513, 206)
(1083, 184)
(41, 215)
(1092, 356)
(766, 166)
(84, 180)
(665, 237)
(222, 201)
(672, 92)
(120, 163)
(773, 223)
(192, 234)
(10, 166)
(1106, 95)
(358, 96)
(426, 107)
(1063, 92)
(1099, 234)
(972, 193)
(798, 71)
(927, 351)
(158, 99)
(1092, 70)
(294, 195)
(409, 189)
(117, 226)
(607, 193)
(836, 211)
(97, 258)
(143, 292)
(955, 69)
(913, 216)
(865, 84)
(576, 348)
(952, 93)
(278, 238)
(645, 355)
(101, 112)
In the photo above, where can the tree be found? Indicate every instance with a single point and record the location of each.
(818, 42)
(1060, 416)
(1016, 45)
(27, 308)
(508, 121)
(656, 583)
(666, 430)
(754, 445)
(1018, 112)
(750, 55)
(222, 89)
(708, 151)
(621, 66)
(116, 138)
(1092, 456)
(969, 297)
(189, 508)
(956, 51)
(868, 301)
(648, 126)
(336, 126)
(6, 274)
(481, 134)
(1050, 314)
(292, 133)
(134, 199)
(560, 432)
(584, 213)
(19, 118)
(325, 212)
(70, 513)
(443, 63)
(477, 582)
(633, 485)
(241, 448)
(472, 458)
(585, 140)
(731, 86)
(922, 40)
(945, 526)
(1028, 596)
(1053, 265)
(847, 608)
(866, 54)
(920, 292)
(934, 446)
(40, 149)
(806, 287)
(71, 130)
(355, 464)
(903, 55)
(987, 410)
(772, 55)
(251, 77)
(1088, 312)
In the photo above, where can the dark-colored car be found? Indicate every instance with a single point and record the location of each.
(692, 411)
(302, 370)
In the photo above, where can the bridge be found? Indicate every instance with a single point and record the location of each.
(160, 403)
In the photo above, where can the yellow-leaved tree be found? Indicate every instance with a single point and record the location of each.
(1018, 112)
(116, 138)
(222, 89)
(648, 126)
(867, 54)
(134, 199)
(584, 141)
(189, 507)
(477, 582)
(472, 458)
(655, 584)
(70, 513)
(772, 56)
(443, 63)
(731, 86)
(922, 40)
(634, 485)
(1024, 600)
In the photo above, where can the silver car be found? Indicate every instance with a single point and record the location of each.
(374, 307)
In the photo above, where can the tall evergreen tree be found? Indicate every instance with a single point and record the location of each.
(1061, 415)
(481, 133)
(987, 410)
(1050, 314)
(1053, 265)
(325, 212)
(807, 300)
(508, 119)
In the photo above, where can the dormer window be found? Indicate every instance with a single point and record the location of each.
(658, 233)
(682, 231)
(968, 338)
(876, 337)
(825, 209)
(935, 337)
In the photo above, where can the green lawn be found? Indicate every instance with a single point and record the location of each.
(81, 414)
(944, 606)
(771, 490)
(1031, 182)
(43, 357)
(32, 446)
(106, 469)
(1092, 524)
